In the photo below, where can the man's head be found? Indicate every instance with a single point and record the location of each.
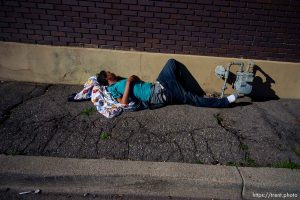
(106, 78)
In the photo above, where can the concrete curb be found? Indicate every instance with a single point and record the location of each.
(271, 183)
(98, 176)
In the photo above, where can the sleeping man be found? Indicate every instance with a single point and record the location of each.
(170, 88)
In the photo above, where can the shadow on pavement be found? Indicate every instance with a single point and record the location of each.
(239, 104)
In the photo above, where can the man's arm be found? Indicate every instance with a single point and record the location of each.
(130, 80)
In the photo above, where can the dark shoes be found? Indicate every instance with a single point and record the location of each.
(71, 98)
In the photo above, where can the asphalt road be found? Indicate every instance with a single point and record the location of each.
(36, 119)
(86, 196)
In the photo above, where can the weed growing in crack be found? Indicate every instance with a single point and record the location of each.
(199, 162)
(281, 147)
(249, 161)
(230, 163)
(244, 147)
(218, 118)
(296, 151)
(287, 164)
(88, 111)
(18, 152)
(104, 136)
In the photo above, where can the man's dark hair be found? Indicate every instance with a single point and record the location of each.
(101, 78)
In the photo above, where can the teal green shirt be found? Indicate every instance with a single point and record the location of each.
(141, 90)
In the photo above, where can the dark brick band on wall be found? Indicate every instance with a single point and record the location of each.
(257, 29)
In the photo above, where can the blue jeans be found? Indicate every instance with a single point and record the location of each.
(171, 79)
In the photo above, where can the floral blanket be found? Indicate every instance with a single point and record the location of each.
(103, 100)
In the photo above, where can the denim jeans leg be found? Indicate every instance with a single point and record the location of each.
(177, 94)
(168, 79)
(168, 72)
(196, 100)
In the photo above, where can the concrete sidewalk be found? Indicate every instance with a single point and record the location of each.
(135, 179)
(36, 119)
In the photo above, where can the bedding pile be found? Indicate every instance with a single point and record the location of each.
(103, 100)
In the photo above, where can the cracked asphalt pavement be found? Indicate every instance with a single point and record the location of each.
(36, 119)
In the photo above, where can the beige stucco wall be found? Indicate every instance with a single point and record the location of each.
(71, 65)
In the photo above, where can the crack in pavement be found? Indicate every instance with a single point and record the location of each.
(243, 182)
(144, 135)
(180, 151)
(286, 134)
(140, 126)
(23, 140)
(97, 142)
(69, 135)
(84, 139)
(42, 149)
(272, 124)
(165, 139)
(209, 151)
(86, 135)
(230, 130)
(128, 151)
(194, 145)
(58, 122)
(25, 98)
(171, 154)
(33, 138)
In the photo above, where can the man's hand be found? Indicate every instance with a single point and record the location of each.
(133, 78)
(124, 99)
